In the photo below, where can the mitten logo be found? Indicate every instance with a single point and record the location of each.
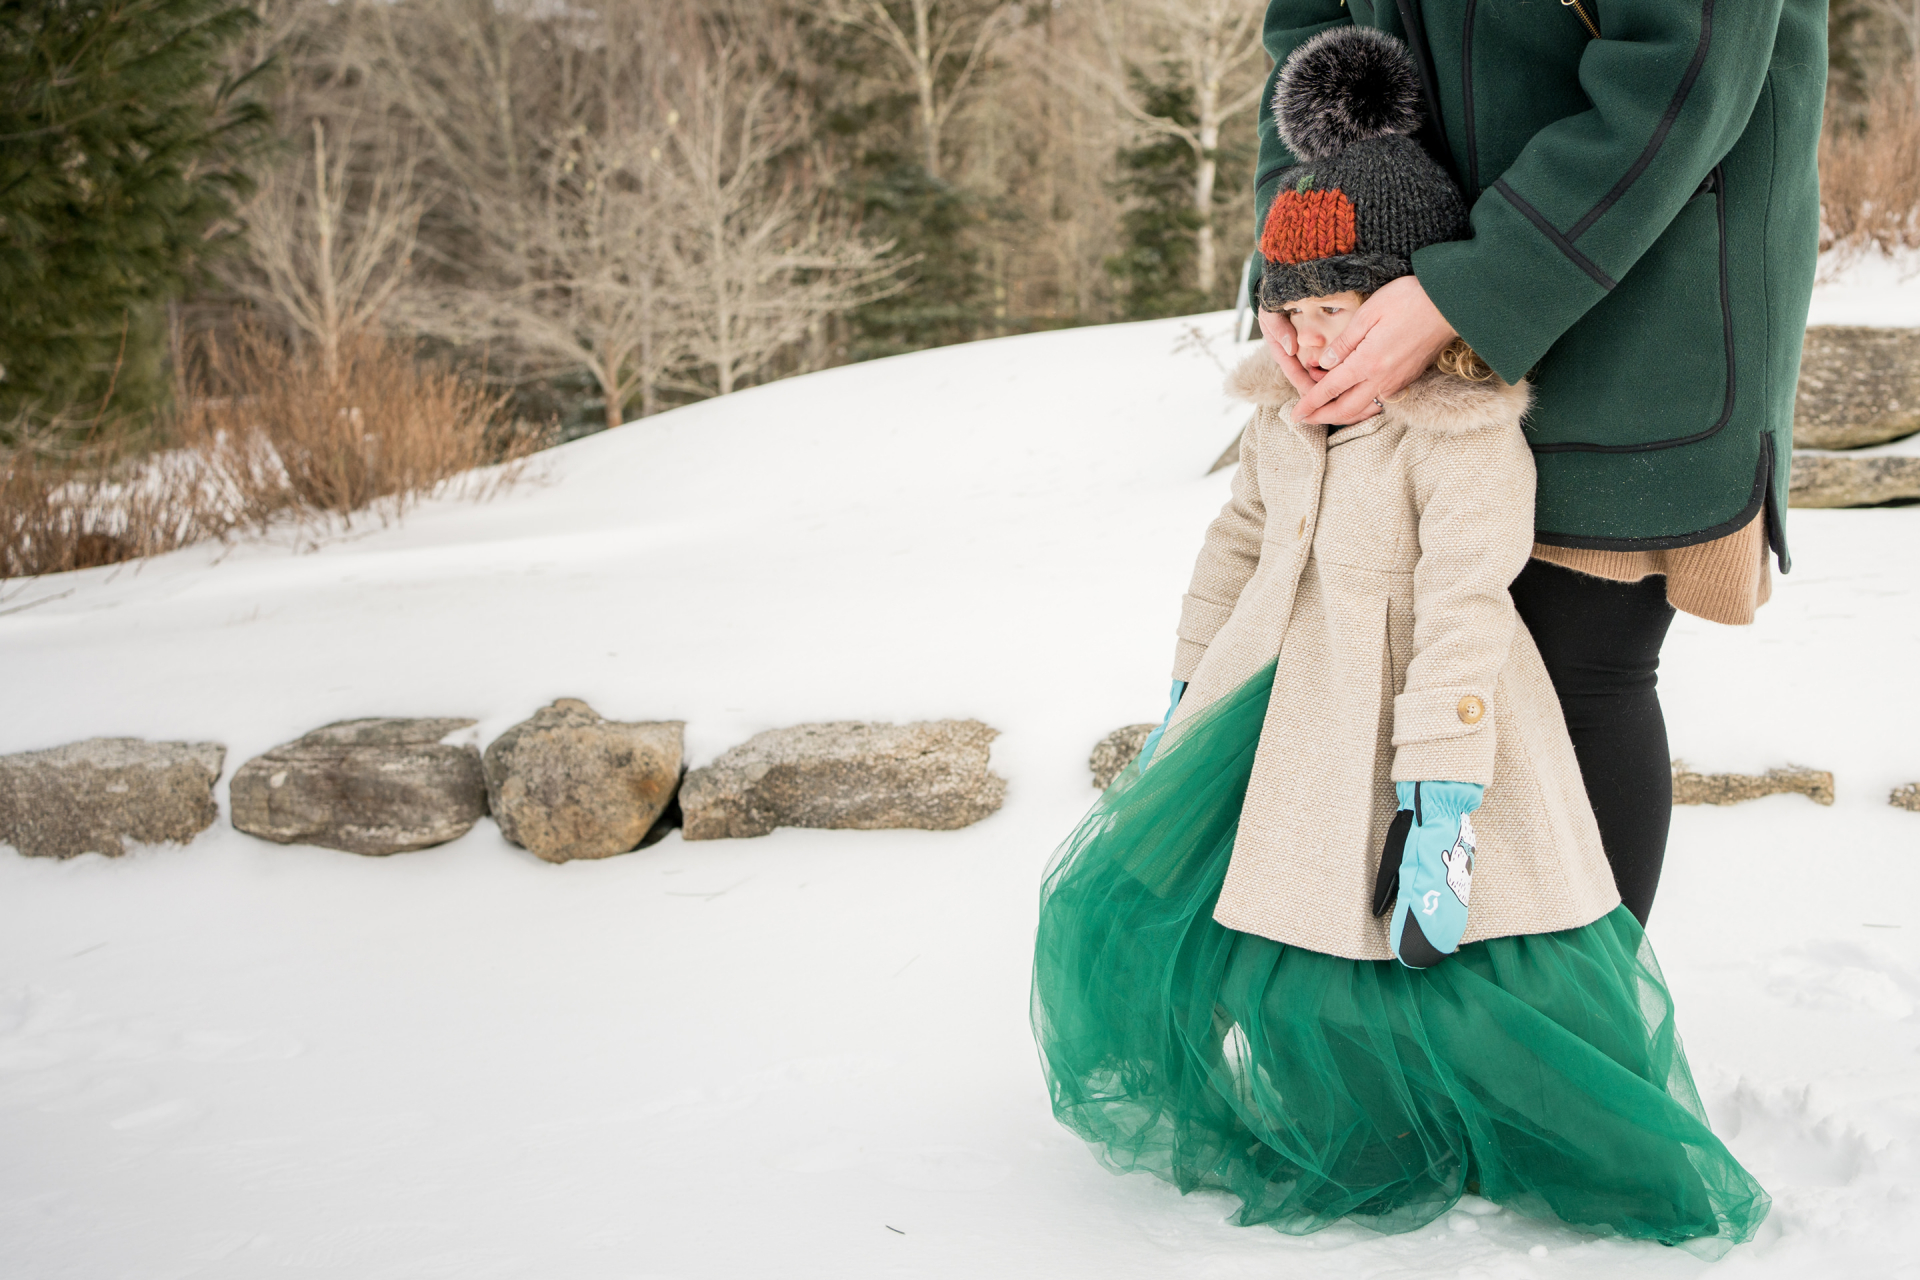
(1430, 903)
(1459, 860)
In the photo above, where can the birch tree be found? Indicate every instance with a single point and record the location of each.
(937, 46)
(331, 239)
(758, 265)
(1214, 48)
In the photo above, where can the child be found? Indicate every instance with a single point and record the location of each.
(1256, 968)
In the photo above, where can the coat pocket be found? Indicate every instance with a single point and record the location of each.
(1652, 365)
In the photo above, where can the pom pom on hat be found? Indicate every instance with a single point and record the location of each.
(1346, 85)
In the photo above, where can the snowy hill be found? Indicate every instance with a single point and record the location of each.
(807, 1055)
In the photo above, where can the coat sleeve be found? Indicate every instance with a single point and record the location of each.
(1227, 560)
(1672, 83)
(1289, 24)
(1473, 493)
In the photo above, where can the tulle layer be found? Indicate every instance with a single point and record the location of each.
(1541, 1072)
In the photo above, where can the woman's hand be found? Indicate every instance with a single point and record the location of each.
(1283, 346)
(1393, 338)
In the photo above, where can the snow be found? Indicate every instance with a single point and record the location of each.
(1867, 287)
(807, 1055)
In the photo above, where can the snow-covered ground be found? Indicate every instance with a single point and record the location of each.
(807, 1055)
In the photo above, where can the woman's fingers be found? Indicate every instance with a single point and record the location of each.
(1319, 404)
(1281, 345)
(1394, 336)
(1343, 346)
(1278, 331)
(1355, 406)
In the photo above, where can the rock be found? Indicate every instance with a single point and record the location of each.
(89, 797)
(366, 786)
(931, 775)
(1836, 480)
(1116, 751)
(1230, 456)
(567, 784)
(1906, 797)
(1732, 788)
(1858, 386)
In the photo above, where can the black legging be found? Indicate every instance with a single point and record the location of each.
(1601, 642)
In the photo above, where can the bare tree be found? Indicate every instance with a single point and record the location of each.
(332, 238)
(759, 266)
(1905, 14)
(937, 45)
(1214, 46)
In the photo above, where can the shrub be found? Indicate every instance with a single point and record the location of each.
(265, 437)
(1870, 172)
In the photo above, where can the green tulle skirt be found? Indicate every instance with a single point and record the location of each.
(1540, 1072)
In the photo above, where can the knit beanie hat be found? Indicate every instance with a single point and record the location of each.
(1365, 195)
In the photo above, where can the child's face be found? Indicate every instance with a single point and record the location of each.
(1317, 322)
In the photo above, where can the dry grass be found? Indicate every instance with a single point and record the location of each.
(1870, 172)
(269, 437)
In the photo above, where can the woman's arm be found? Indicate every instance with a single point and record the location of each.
(1673, 84)
(1474, 495)
(1227, 560)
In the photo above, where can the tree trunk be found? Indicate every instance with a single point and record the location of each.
(1203, 179)
(923, 81)
(323, 226)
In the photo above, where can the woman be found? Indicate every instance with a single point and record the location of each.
(1645, 211)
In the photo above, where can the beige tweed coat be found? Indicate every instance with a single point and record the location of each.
(1375, 563)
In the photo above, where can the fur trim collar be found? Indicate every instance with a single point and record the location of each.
(1435, 402)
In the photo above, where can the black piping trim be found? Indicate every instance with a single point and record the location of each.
(1717, 185)
(1777, 527)
(1552, 233)
(1431, 133)
(1762, 497)
(1466, 91)
(1660, 132)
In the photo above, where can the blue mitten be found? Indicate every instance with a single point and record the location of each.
(1153, 739)
(1426, 870)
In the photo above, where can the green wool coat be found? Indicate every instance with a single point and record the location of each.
(1645, 213)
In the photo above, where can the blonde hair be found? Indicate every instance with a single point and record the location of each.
(1462, 361)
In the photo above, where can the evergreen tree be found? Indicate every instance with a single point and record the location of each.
(1156, 264)
(930, 223)
(119, 140)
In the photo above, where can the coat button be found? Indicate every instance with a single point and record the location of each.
(1471, 709)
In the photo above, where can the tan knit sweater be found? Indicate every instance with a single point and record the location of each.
(1725, 580)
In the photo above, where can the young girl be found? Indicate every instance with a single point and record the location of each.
(1284, 961)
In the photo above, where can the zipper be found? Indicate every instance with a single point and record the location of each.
(1585, 20)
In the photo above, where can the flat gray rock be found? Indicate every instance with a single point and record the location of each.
(93, 796)
(1735, 788)
(1116, 751)
(365, 786)
(931, 775)
(568, 784)
(1836, 480)
(1858, 386)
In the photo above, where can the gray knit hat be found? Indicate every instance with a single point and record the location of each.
(1365, 195)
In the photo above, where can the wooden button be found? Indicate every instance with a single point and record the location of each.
(1471, 709)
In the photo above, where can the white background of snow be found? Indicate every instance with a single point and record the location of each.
(753, 1058)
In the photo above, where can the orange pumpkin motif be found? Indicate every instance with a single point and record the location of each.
(1304, 225)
